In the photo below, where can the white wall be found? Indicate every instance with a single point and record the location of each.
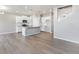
(68, 28)
(7, 23)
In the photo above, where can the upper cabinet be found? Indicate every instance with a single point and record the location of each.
(32, 21)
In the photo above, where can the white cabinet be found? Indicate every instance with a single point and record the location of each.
(32, 21)
(18, 24)
(46, 24)
(26, 31)
(19, 21)
(36, 21)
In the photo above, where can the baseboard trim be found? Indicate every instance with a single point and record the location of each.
(67, 40)
(46, 32)
(7, 33)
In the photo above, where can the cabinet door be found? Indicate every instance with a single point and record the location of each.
(46, 24)
(36, 21)
(18, 24)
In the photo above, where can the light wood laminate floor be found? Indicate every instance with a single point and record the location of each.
(42, 43)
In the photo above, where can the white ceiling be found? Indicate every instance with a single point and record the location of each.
(29, 9)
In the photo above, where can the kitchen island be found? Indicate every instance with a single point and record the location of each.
(26, 31)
